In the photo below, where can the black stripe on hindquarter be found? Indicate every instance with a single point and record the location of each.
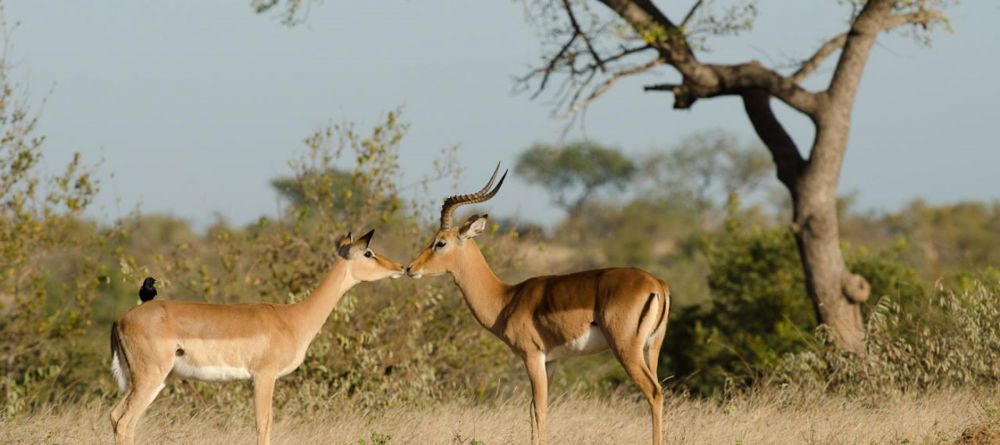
(114, 337)
(645, 311)
(663, 311)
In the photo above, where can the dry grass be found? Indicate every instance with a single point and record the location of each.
(768, 418)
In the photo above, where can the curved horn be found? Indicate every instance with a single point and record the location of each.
(453, 202)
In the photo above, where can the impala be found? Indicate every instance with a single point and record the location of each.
(229, 341)
(547, 318)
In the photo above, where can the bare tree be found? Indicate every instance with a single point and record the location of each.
(596, 54)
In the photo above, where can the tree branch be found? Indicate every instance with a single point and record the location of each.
(864, 30)
(626, 52)
(701, 80)
(787, 159)
(690, 13)
(661, 87)
(661, 33)
(811, 64)
(550, 68)
(921, 17)
(583, 35)
(609, 82)
(710, 80)
(737, 79)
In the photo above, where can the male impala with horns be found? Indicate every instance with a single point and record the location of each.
(547, 318)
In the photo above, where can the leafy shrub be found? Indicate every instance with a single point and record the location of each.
(49, 259)
(955, 342)
(377, 438)
(888, 275)
(759, 311)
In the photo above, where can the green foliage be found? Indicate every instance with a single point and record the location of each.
(583, 168)
(970, 280)
(760, 315)
(48, 258)
(952, 343)
(377, 438)
(707, 166)
(334, 183)
(759, 311)
(946, 238)
(889, 276)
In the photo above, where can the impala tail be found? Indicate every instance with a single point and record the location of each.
(119, 362)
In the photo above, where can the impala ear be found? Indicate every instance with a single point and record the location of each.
(344, 245)
(473, 226)
(366, 240)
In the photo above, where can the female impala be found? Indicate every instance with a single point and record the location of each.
(548, 318)
(228, 341)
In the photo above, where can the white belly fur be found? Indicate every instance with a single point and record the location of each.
(590, 343)
(186, 370)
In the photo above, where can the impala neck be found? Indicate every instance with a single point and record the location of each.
(316, 308)
(485, 294)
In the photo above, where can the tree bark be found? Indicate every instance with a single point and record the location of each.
(835, 292)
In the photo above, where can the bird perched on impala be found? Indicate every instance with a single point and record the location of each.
(148, 290)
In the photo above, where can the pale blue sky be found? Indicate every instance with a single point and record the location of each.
(196, 105)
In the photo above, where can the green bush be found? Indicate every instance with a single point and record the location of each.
(888, 275)
(49, 259)
(954, 342)
(759, 311)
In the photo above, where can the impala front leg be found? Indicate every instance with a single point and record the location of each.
(263, 394)
(535, 364)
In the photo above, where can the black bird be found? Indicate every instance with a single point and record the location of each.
(148, 289)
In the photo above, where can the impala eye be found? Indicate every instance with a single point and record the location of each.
(369, 254)
(439, 244)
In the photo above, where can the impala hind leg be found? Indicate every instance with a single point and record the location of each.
(653, 349)
(535, 365)
(652, 360)
(145, 387)
(119, 410)
(634, 360)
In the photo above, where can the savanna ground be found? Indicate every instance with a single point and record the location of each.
(763, 417)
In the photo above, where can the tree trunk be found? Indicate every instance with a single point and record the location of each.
(829, 283)
(835, 292)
